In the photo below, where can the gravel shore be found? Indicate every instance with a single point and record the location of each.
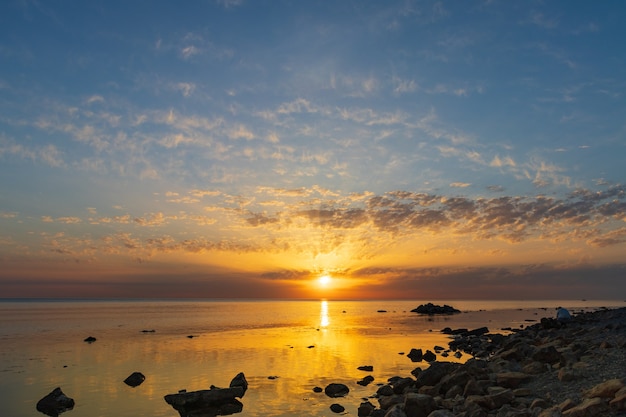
(569, 368)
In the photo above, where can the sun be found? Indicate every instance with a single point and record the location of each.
(324, 280)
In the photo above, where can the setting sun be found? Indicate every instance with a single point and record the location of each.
(324, 280)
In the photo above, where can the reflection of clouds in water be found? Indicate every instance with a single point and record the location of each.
(324, 321)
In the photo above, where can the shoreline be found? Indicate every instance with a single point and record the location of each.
(548, 369)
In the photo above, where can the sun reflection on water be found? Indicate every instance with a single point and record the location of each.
(324, 320)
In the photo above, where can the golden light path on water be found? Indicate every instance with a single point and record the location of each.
(324, 319)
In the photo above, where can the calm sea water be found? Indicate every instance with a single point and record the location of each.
(285, 349)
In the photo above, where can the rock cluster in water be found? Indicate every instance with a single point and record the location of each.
(432, 309)
(551, 369)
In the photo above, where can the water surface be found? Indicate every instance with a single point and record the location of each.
(285, 349)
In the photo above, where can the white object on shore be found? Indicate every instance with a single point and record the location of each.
(562, 314)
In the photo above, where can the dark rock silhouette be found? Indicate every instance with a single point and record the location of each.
(55, 403)
(135, 379)
(334, 390)
(432, 309)
(212, 402)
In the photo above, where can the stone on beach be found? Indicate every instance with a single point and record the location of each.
(55, 403)
(522, 374)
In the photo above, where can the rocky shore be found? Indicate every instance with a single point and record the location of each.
(573, 368)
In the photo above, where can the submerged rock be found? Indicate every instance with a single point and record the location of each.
(55, 403)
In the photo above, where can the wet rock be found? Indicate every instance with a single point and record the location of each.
(365, 381)
(366, 368)
(239, 381)
(337, 408)
(318, 389)
(212, 402)
(55, 403)
(437, 370)
(365, 409)
(135, 379)
(335, 390)
(416, 355)
(430, 356)
(90, 339)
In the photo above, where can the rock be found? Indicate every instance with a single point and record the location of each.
(607, 389)
(416, 355)
(401, 384)
(365, 381)
(335, 390)
(418, 405)
(317, 389)
(547, 354)
(211, 402)
(385, 390)
(431, 309)
(619, 402)
(437, 370)
(366, 368)
(135, 379)
(590, 407)
(396, 411)
(239, 381)
(337, 408)
(90, 339)
(365, 409)
(568, 375)
(55, 403)
(511, 379)
(429, 356)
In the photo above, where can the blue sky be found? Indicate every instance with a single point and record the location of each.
(242, 148)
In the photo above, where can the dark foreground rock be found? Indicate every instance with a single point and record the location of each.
(212, 402)
(135, 379)
(432, 309)
(549, 369)
(335, 390)
(55, 403)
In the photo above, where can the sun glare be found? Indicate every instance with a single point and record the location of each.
(324, 280)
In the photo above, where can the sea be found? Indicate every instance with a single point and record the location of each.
(285, 348)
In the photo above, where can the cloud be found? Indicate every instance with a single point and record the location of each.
(189, 51)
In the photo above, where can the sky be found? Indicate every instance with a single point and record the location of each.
(239, 148)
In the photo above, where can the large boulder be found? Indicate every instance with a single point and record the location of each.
(55, 403)
(212, 402)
